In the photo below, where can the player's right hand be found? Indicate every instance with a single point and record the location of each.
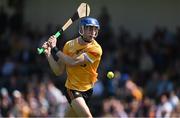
(47, 48)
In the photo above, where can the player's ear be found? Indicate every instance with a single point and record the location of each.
(81, 30)
(96, 34)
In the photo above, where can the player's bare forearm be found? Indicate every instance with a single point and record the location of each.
(61, 66)
(56, 67)
(69, 60)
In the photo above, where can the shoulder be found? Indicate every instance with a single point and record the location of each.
(70, 43)
(95, 48)
(96, 43)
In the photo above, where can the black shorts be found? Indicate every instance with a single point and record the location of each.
(72, 94)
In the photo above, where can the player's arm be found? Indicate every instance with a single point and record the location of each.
(90, 56)
(63, 57)
(56, 66)
(81, 59)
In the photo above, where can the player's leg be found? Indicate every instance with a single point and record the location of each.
(70, 112)
(80, 107)
(78, 102)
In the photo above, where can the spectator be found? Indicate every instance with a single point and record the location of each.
(165, 85)
(113, 108)
(56, 99)
(165, 108)
(5, 102)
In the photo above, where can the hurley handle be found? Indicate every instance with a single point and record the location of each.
(41, 50)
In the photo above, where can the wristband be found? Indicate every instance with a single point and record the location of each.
(54, 52)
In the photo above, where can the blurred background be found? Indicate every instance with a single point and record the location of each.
(140, 41)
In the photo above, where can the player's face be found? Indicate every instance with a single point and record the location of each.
(90, 32)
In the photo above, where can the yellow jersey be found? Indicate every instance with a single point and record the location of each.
(82, 77)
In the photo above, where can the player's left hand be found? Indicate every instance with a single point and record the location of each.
(47, 49)
(52, 41)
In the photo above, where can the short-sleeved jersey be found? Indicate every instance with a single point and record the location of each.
(82, 77)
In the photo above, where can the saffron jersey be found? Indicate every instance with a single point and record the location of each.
(82, 77)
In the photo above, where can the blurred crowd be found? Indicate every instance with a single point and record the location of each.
(147, 72)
